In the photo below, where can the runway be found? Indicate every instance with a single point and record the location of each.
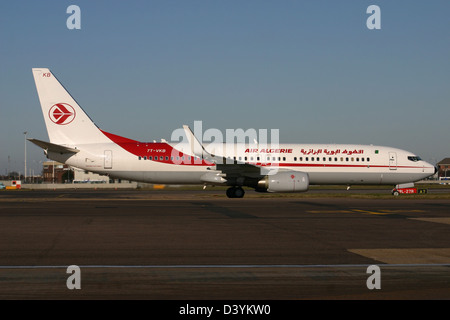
(192, 245)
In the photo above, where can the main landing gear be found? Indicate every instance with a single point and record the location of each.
(235, 192)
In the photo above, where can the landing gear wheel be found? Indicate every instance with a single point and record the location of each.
(235, 192)
(230, 192)
(238, 192)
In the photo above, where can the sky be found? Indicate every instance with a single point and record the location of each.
(312, 69)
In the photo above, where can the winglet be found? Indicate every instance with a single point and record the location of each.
(197, 148)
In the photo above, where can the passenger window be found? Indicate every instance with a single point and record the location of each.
(140, 158)
(150, 158)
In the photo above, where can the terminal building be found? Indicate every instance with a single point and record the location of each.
(444, 169)
(55, 172)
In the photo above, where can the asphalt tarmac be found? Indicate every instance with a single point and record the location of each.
(194, 245)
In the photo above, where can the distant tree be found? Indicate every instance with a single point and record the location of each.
(14, 175)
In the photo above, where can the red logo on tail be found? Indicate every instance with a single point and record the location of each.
(62, 113)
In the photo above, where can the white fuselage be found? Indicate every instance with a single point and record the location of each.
(156, 162)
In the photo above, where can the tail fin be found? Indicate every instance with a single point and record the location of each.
(66, 122)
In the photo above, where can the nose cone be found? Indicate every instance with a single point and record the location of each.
(429, 169)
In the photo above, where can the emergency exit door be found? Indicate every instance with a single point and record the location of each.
(108, 159)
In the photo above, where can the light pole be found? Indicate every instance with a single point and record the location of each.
(25, 175)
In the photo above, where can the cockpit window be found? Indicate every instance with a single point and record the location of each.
(414, 158)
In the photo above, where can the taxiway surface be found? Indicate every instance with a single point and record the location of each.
(196, 245)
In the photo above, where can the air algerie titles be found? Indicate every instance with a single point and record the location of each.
(268, 151)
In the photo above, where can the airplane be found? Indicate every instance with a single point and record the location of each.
(76, 140)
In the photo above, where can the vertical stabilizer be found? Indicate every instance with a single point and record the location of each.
(66, 122)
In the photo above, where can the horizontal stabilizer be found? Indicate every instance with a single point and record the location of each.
(53, 147)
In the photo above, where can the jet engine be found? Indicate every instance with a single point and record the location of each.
(284, 181)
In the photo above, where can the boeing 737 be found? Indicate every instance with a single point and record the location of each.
(78, 142)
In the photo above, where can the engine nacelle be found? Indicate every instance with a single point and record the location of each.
(285, 181)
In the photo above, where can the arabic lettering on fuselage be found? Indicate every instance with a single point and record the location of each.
(308, 151)
(330, 152)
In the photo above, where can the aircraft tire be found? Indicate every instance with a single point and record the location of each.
(230, 192)
(235, 192)
(239, 192)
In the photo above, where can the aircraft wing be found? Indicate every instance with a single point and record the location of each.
(53, 147)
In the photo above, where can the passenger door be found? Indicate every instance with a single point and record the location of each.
(108, 159)
(392, 160)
